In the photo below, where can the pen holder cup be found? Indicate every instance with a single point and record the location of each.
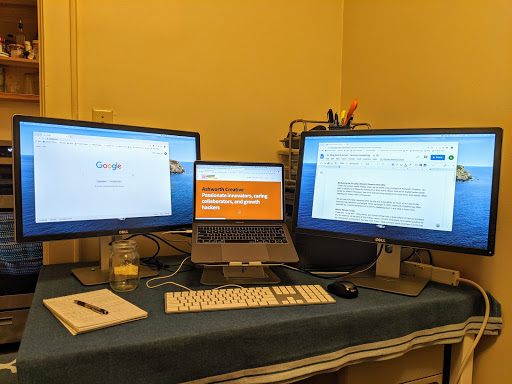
(124, 266)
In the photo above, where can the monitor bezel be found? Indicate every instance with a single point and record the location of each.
(239, 163)
(18, 206)
(489, 251)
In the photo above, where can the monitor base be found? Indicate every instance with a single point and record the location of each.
(221, 275)
(95, 275)
(403, 285)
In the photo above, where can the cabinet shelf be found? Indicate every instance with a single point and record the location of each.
(19, 97)
(19, 63)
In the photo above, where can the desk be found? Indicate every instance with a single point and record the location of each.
(256, 345)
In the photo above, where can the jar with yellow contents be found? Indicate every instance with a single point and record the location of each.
(124, 266)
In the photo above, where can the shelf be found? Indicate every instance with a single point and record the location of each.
(26, 3)
(19, 63)
(5, 160)
(19, 97)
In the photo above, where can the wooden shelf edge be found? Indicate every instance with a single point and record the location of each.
(20, 3)
(18, 63)
(19, 97)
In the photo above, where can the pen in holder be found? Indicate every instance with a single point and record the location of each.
(124, 266)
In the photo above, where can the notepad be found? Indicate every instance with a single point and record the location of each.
(78, 319)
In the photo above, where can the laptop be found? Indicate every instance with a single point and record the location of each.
(239, 214)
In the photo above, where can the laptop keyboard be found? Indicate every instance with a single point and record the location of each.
(241, 234)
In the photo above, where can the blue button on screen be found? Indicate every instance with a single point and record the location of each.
(437, 157)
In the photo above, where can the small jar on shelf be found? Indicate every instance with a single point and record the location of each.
(16, 50)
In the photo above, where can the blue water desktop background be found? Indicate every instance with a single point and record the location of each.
(181, 148)
(471, 206)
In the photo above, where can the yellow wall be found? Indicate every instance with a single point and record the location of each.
(238, 72)
(7, 109)
(435, 63)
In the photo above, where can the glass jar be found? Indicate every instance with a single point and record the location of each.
(35, 49)
(28, 84)
(16, 50)
(124, 266)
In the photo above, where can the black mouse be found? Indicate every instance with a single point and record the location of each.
(343, 288)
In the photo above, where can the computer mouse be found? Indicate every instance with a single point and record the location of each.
(343, 288)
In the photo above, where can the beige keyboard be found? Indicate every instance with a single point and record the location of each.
(253, 297)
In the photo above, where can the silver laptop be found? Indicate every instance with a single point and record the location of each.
(239, 214)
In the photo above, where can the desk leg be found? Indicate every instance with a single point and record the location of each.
(458, 353)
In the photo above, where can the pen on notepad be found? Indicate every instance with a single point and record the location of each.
(92, 307)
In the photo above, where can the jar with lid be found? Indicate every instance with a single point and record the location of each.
(124, 266)
(15, 50)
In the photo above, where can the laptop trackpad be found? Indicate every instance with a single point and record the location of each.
(244, 252)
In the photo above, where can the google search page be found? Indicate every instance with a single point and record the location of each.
(400, 184)
(78, 177)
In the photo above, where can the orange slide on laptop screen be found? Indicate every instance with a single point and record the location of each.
(239, 214)
(239, 200)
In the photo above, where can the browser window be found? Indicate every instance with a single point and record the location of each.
(92, 178)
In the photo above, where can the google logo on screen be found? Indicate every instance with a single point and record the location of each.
(113, 167)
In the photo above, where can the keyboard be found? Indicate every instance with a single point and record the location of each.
(241, 234)
(238, 298)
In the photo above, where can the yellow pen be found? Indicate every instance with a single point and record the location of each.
(342, 116)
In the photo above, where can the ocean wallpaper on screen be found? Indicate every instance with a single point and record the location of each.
(182, 149)
(471, 206)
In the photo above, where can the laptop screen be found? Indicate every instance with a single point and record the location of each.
(238, 191)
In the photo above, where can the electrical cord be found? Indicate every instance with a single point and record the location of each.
(372, 263)
(345, 274)
(151, 262)
(169, 244)
(480, 332)
(166, 277)
(416, 251)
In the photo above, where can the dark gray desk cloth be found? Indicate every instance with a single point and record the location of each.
(249, 345)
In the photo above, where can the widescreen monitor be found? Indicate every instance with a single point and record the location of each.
(419, 188)
(76, 179)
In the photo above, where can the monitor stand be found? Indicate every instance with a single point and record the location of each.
(101, 274)
(228, 274)
(387, 277)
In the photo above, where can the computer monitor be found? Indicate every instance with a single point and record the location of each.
(419, 188)
(76, 179)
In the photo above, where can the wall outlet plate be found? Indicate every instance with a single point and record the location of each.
(102, 115)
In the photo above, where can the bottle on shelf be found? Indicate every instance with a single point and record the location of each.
(20, 37)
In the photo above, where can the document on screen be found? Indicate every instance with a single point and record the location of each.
(397, 184)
